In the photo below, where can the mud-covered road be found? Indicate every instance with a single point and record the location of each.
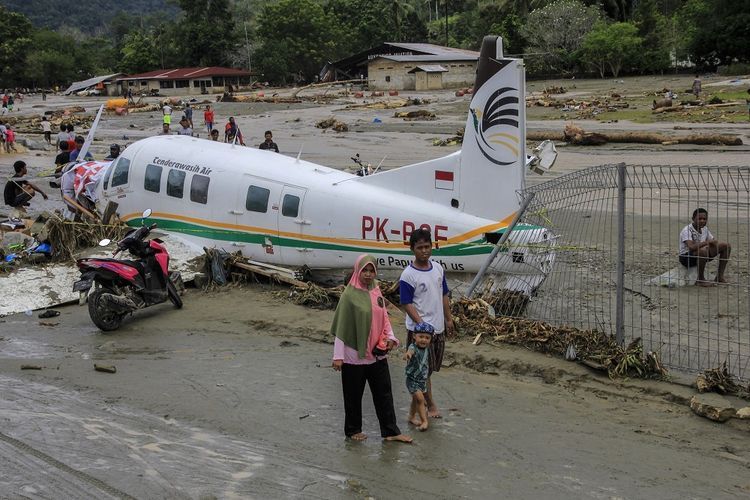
(233, 397)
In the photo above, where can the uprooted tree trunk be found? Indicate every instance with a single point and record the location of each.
(577, 136)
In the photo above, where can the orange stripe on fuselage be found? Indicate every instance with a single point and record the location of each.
(461, 238)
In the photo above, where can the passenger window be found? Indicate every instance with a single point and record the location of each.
(152, 181)
(175, 183)
(257, 199)
(290, 205)
(120, 175)
(199, 189)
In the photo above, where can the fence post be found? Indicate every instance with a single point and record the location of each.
(620, 304)
(506, 234)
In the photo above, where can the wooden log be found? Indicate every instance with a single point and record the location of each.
(661, 103)
(79, 207)
(105, 368)
(667, 109)
(543, 135)
(711, 139)
(109, 211)
(576, 135)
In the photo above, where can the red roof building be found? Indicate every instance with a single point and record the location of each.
(181, 81)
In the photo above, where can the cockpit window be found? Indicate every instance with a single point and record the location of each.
(120, 174)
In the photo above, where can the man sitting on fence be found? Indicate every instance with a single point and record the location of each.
(698, 246)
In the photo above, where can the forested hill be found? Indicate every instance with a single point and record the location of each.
(86, 14)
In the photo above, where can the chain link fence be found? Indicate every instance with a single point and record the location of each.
(610, 254)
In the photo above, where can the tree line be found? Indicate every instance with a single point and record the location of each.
(284, 41)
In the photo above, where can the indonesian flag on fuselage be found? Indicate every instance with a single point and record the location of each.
(444, 179)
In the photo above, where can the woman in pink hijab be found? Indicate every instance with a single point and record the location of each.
(360, 322)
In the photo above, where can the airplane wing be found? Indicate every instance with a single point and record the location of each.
(90, 136)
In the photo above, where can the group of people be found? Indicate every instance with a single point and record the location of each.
(232, 132)
(364, 337)
(9, 100)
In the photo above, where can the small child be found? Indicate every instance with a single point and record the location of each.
(417, 371)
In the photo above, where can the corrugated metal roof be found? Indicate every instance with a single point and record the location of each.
(84, 84)
(431, 58)
(436, 50)
(429, 68)
(187, 73)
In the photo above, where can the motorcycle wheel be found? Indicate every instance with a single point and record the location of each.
(105, 320)
(173, 295)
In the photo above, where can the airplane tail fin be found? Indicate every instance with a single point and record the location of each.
(483, 177)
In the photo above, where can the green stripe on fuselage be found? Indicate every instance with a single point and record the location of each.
(475, 247)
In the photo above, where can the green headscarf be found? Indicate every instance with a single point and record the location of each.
(353, 317)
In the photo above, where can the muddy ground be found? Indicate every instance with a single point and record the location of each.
(233, 397)
(243, 404)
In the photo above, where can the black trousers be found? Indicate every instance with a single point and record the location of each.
(353, 378)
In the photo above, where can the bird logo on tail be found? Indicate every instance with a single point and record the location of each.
(497, 127)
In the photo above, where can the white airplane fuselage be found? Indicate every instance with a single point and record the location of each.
(286, 211)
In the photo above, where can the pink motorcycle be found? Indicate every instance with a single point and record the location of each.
(117, 287)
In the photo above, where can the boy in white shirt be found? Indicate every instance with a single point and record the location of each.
(424, 295)
(698, 246)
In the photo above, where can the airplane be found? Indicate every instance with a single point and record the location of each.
(286, 211)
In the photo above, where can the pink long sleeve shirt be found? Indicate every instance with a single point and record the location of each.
(380, 325)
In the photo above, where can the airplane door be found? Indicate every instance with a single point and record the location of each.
(292, 225)
(255, 215)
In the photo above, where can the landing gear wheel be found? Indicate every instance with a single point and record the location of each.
(173, 295)
(103, 318)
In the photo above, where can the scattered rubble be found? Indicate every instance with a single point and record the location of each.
(450, 141)
(334, 124)
(390, 104)
(421, 114)
(721, 381)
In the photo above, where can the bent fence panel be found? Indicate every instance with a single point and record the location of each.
(692, 327)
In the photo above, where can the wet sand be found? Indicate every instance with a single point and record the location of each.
(244, 404)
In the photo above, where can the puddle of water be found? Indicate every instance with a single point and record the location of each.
(13, 347)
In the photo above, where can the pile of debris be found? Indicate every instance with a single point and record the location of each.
(334, 124)
(592, 348)
(450, 141)
(51, 237)
(31, 124)
(68, 237)
(421, 114)
(554, 90)
(721, 381)
(390, 104)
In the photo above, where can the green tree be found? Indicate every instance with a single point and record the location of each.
(611, 45)
(206, 32)
(297, 38)
(15, 41)
(718, 31)
(52, 60)
(139, 53)
(655, 30)
(555, 34)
